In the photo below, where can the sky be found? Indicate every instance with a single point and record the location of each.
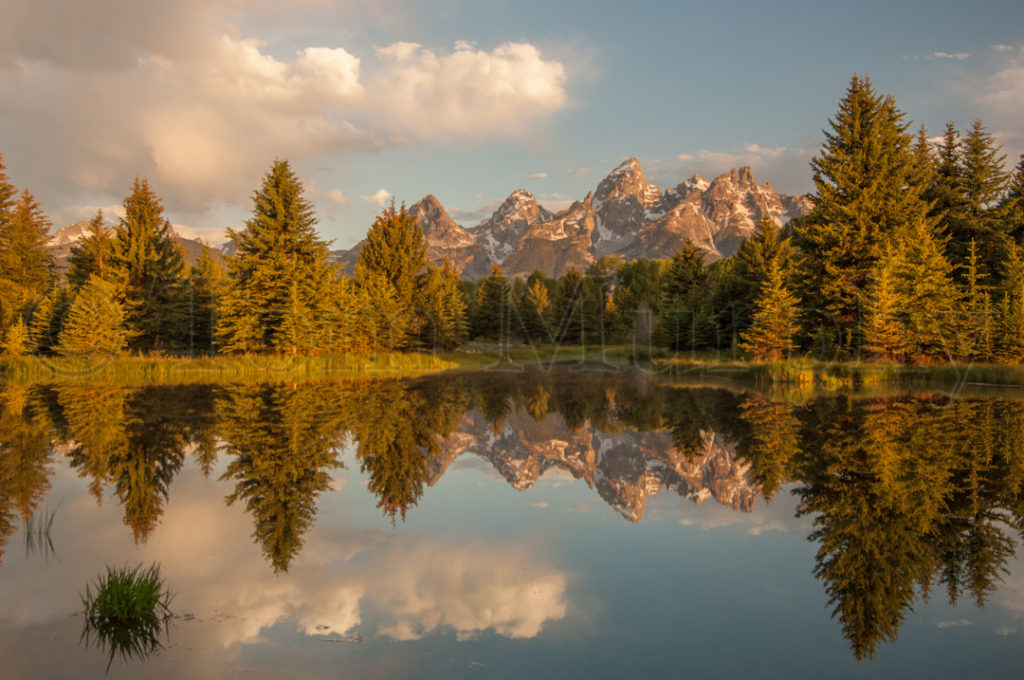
(468, 100)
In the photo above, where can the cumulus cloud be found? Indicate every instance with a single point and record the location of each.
(108, 90)
(424, 94)
(336, 197)
(1003, 48)
(379, 197)
(959, 56)
(1000, 97)
(539, 175)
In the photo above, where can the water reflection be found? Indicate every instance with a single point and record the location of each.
(907, 494)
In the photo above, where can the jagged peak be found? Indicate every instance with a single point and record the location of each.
(631, 164)
(428, 200)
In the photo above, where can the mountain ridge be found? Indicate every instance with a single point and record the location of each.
(625, 215)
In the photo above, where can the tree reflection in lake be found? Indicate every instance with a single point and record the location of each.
(907, 494)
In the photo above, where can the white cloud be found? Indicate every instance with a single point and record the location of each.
(379, 197)
(539, 175)
(176, 93)
(422, 94)
(959, 56)
(1003, 48)
(577, 172)
(1000, 98)
(336, 197)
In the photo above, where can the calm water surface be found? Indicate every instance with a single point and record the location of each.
(549, 524)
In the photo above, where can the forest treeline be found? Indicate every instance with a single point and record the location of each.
(913, 252)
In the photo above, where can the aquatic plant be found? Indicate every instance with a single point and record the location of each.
(126, 609)
(37, 534)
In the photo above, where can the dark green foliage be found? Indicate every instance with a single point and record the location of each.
(205, 282)
(127, 612)
(493, 306)
(279, 279)
(150, 270)
(394, 255)
(284, 442)
(444, 309)
(684, 321)
(775, 319)
(48, 319)
(866, 186)
(92, 255)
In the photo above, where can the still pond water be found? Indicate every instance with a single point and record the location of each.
(500, 524)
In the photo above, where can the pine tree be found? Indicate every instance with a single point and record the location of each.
(775, 321)
(569, 310)
(984, 184)
(684, 319)
(16, 342)
(867, 185)
(536, 304)
(26, 267)
(48, 319)
(94, 324)
(93, 254)
(1013, 204)
(150, 270)
(279, 273)
(444, 303)
(1010, 312)
(884, 337)
(396, 249)
(976, 325)
(493, 300)
(7, 192)
(205, 280)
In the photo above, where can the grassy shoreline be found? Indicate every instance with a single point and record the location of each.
(798, 372)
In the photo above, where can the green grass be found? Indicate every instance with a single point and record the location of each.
(245, 368)
(126, 609)
(37, 534)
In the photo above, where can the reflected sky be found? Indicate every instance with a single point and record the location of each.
(554, 542)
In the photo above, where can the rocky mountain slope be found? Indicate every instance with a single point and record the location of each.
(624, 468)
(625, 216)
(66, 237)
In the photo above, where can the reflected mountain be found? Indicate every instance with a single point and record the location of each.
(907, 494)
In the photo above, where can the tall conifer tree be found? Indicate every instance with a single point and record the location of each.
(150, 268)
(26, 266)
(92, 255)
(279, 273)
(866, 186)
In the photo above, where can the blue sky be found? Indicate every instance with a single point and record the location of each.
(467, 100)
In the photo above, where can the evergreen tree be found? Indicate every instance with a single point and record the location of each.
(884, 337)
(205, 280)
(1010, 313)
(16, 342)
(1013, 204)
(493, 300)
(150, 268)
(445, 309)
(91, 255)
(984, 184)
(536, 304)
(7, 192)
(976, 323)
(26, 267)
(770, 336)
(94, 323)
(684, 318)
(279, 274)
(569, 310)
(48, 319)
(396, 250)
(867, 185)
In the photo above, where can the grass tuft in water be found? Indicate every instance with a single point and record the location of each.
(37, 534)
(127, 609)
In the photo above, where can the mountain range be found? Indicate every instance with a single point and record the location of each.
(625, 468)
(625, 216)
(67, 236)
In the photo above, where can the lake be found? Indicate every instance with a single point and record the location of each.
(559, 523)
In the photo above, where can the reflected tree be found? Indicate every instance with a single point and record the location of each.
(283, 440)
